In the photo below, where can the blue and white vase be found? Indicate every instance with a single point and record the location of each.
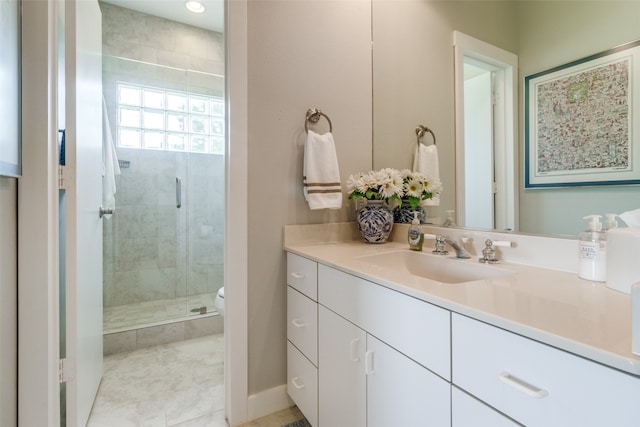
(403, 214)
(375, 221)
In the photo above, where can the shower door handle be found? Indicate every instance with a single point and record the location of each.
(178, 192)
(103, 211)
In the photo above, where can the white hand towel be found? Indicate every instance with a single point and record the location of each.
(425, 161)
(110, 166)
(321, 177)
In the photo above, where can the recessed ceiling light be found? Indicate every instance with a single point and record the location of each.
(194, 6)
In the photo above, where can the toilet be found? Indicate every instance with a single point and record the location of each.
(219, 301)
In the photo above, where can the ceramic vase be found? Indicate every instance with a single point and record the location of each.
(403, 213)
(375, 221)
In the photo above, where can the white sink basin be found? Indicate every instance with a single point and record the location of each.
(435, 267)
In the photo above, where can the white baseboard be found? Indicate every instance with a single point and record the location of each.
(268, 401)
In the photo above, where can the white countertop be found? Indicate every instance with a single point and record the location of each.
(554, 307)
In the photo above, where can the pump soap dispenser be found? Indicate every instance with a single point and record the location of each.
(592, 251)
(415, 237)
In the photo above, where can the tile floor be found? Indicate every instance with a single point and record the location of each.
(170, 385)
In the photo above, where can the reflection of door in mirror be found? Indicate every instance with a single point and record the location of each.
(478, 146)
(486, 134)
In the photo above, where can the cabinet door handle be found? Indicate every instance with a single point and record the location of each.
(297, 275)
(522, 386)
(353, 347)
(298, 323)
(297, 382)
(369, 368)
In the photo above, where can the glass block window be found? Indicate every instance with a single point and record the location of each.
(162, 119)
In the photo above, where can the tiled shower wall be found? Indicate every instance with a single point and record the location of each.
(153, 250)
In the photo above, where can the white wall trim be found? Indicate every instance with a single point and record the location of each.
(38, 319)
(236, 240)
(269, 401)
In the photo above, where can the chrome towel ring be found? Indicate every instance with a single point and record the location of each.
(420, 130)
(313, 116)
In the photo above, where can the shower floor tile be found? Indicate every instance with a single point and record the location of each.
(122, 317)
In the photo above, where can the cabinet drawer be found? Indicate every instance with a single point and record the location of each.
(417, 329)
(302, 383)
(536, 384)
(468, 411)
(302, 323)
(302, 274)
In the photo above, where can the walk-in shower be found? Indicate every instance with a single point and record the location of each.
(163, 246)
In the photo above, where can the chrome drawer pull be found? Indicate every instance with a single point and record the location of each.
(522, 386)
(297, 383)
(297, 275)
(298, 323)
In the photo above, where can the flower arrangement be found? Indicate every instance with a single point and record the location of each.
(392, 185)
(418, 187)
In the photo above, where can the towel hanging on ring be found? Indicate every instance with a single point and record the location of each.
(321, 175)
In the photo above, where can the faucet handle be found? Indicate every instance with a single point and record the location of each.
(440, 245)
(503, 243)
(489, 255)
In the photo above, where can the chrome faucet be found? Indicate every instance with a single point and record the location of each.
(461, 251)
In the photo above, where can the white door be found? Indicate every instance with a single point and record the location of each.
(83, 194)
(478, 148)
(401, 392)
(341, 376)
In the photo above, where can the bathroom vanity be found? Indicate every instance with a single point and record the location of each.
(374, 340)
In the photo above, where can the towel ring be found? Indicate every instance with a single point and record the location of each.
(313, 116)
(420, 130)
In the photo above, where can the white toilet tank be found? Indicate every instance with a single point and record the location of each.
(219, 301)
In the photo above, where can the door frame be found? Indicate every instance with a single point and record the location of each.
(236, 226)
(506, 127)
(38, 254)
(38, 266)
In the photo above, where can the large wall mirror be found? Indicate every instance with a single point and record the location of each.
(413, 79)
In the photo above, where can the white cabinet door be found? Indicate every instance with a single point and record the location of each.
(400, 392)
(341, 379)
(467, 411)
(417, 329)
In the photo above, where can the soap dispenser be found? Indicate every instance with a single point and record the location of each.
(592, 251)
(610, 221)
(415, 236)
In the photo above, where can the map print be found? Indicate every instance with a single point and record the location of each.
(583, 121)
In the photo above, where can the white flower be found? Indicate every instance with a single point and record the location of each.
(387, 184)
(354, 182)
(433, 186)
(414, 188)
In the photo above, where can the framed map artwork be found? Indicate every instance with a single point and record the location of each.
(580, 126)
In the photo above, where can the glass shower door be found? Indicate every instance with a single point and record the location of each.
(163, 246)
